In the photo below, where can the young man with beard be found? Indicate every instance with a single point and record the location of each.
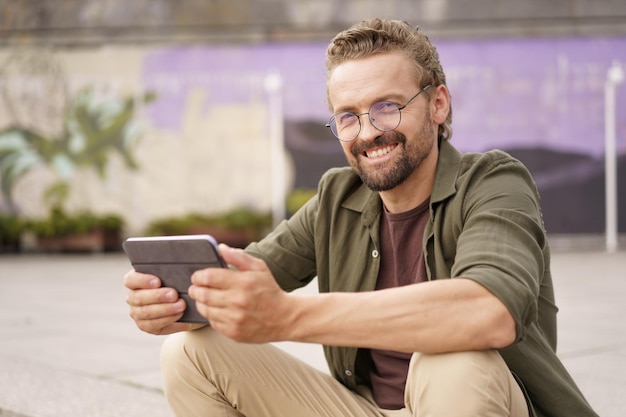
(435, 295)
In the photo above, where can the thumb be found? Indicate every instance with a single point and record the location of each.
(240, 259)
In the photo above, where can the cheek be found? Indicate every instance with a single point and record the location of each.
(350, 158)
(347, 148)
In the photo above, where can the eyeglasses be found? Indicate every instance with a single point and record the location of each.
(384, 116)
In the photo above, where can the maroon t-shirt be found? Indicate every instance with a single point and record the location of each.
(401, 263)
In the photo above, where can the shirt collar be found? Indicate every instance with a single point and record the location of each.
(364, 201)
(447, 172)
(368, 202)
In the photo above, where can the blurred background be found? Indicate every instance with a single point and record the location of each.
(124, 118)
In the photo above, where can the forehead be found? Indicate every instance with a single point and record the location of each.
(358, 82)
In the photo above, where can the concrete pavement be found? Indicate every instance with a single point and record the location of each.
(68, 347)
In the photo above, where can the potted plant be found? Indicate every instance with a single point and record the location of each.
(62, 232)
(94, 128)
(112, 226)
(11, 227)
(82, 231)
(237, 227)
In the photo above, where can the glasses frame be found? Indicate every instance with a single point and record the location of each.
(358, 116)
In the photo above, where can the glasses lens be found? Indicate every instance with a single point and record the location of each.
(385, 115)
(345, 126)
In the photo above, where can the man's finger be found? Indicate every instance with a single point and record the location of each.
(155, 296)
(240, 259)
(134, 280)
(157, 311)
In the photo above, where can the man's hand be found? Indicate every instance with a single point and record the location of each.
(155, 309)
(245, 304)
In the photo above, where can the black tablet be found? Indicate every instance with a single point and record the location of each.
(174, 259)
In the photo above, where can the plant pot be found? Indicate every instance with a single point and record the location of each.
(92, 241)
(235, 238)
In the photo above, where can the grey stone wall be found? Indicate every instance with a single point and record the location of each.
(77, 22)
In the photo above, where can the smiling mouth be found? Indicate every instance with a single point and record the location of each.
(374, 153)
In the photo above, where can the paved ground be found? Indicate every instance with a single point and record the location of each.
(68, 347)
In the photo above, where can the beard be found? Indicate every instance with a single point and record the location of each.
(392, 175)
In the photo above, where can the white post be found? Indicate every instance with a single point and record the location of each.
(614, 77)
(273, 85)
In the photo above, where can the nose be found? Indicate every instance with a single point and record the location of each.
(368, 131)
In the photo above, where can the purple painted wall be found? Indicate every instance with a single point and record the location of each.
(540, 99)
(531, 92)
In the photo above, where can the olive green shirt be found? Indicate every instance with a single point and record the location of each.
(485, 225)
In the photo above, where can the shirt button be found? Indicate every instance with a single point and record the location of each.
(374, 253)
(348, 372)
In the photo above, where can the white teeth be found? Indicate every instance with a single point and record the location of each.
(379, 152)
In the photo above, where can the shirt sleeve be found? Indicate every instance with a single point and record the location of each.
(289, 251)
(502, 241)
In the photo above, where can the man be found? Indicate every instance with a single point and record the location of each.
(383, 237)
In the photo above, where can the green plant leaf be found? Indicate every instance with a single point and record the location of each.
(17, 157)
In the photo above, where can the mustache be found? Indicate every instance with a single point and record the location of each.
(382, 140)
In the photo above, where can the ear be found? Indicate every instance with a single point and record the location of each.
(440, 104)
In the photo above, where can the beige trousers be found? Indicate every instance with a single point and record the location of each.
(206, 374)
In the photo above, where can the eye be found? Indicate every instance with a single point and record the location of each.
(346, 119)
(384, 107)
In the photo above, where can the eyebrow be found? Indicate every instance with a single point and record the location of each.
(394, 98)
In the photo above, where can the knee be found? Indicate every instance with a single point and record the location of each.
(174, 356)
(478, 380)
(176, 344)
(456, 366)
(182, 351)
(172, 348)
